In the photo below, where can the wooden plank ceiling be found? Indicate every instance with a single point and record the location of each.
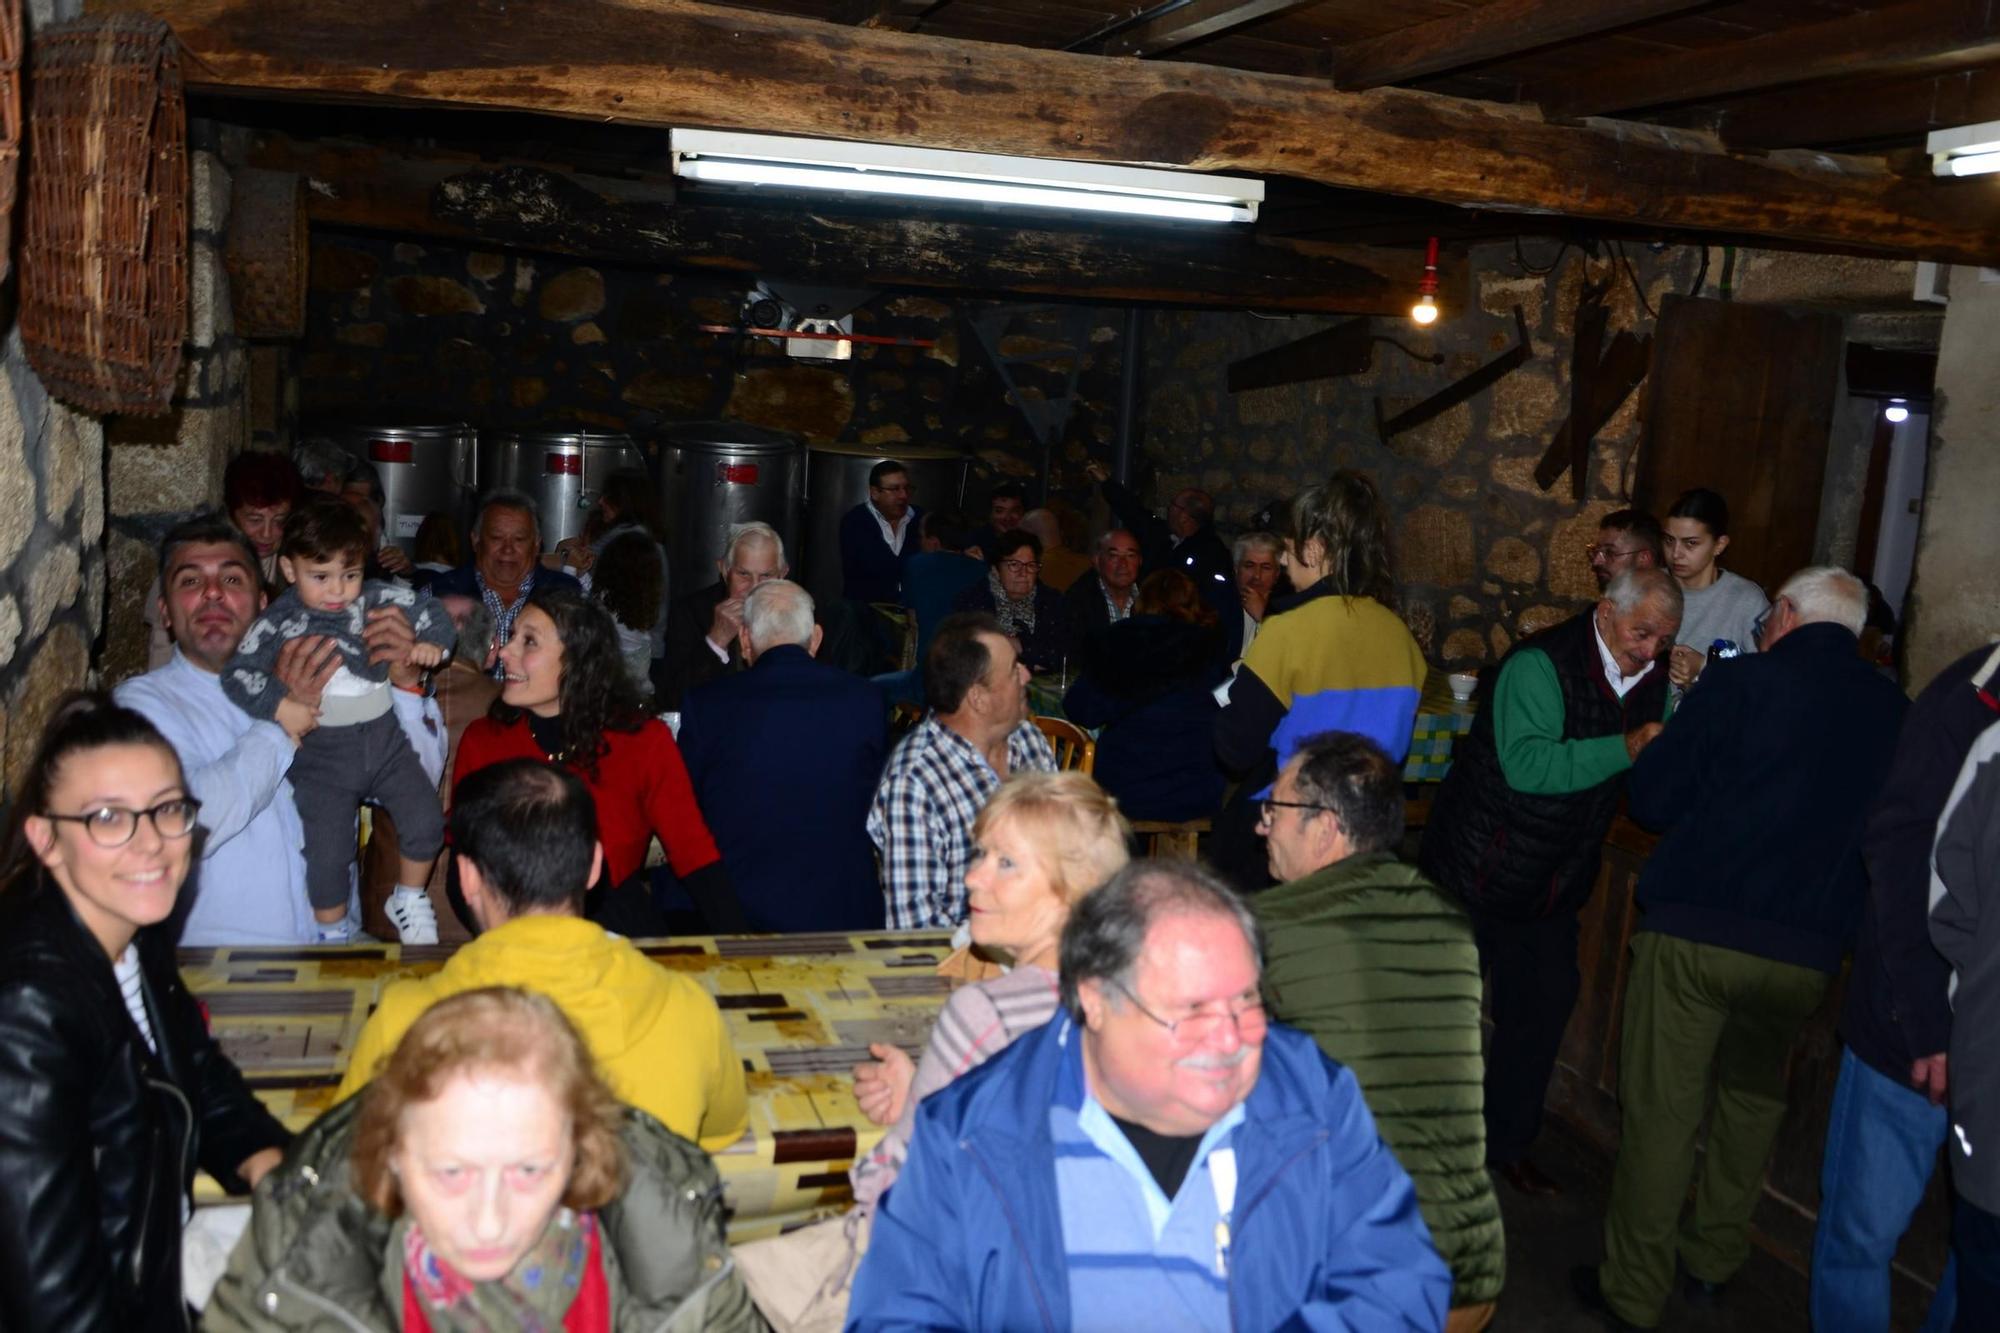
(1371, 121)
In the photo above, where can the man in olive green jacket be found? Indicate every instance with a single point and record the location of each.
(1380, 967)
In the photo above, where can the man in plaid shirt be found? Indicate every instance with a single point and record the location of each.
(938, 777)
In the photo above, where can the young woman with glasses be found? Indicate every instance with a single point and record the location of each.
(111, 1089)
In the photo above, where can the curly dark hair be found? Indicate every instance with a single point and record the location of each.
(629, 579)
(597, 695)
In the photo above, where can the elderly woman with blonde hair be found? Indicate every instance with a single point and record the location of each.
(1043, 841)
(486, 1179)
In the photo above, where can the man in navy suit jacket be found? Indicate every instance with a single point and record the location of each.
(785, 758)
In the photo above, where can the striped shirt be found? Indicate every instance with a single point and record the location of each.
(132, 985)
(932, 789)
(977, 1023)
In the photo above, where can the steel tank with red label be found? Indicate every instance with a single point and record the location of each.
(562, 471)
(717, 474)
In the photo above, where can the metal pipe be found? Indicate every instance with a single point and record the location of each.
(1128, 395)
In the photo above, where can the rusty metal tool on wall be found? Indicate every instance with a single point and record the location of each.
(1460, 390)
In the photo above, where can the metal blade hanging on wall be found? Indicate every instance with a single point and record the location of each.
(1345, 349)
(1459, 390)
(1047, 414)
(1623, 366)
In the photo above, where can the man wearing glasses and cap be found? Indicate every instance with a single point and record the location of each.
(1378, 965)
(1627, 539)
(1158, 1155)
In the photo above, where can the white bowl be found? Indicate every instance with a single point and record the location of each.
(1463, 683)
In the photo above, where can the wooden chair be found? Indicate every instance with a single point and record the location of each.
(1177, 841)
(903, 719)
(901, 631)
(1073, 746)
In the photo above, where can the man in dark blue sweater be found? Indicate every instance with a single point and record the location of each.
(1761, 784)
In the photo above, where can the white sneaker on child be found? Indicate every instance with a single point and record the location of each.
(336, 932)
(410, 912)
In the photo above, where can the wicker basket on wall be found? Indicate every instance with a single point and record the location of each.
(10, 124)
(104, 281)
(266, 253)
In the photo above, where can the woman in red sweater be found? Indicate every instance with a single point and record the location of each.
(567, 699)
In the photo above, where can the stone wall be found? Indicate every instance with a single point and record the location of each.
(161, 469)
(1484, 555)
(429, 331)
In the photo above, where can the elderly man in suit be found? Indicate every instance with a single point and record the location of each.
(789, 742)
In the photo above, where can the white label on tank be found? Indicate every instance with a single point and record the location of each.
(407, 525)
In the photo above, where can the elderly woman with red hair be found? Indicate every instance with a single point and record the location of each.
(486, 1179)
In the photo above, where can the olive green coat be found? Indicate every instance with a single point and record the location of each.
(1380, 967)
(315, 1256)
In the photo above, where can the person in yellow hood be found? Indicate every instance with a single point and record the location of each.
(525, 837)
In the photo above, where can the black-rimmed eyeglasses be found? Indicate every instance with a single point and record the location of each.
(112, 826)
(1269, 804)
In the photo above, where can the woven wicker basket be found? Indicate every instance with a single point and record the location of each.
(104, 280)
(266, 254)
(10, 124)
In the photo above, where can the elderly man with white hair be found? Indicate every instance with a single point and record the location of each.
(702, 625)
(793, 738)
(1761, 784)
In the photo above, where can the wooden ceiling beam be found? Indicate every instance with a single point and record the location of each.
(677, 62)
(644, 224)
(1193, 22)
(894, 15)
(1860, 113)
(1493, 31)
(1915, 37)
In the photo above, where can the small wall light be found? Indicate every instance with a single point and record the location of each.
(1897, 412)
(1425, 311)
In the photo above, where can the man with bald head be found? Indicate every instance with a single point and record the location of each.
(1518, 825)
(791, 737)
(1159, 1153)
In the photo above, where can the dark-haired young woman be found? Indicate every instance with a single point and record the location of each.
(566, 698)
(111, 1089)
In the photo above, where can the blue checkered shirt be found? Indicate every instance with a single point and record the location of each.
(934, 785)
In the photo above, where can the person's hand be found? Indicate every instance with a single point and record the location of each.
(882, 1085)
(574, 553)
(304, 666)
(258, 1165)
(1639, 739)
(1097, 472)
(429, 656)
(390, 640)
(728, 619)
(1929, 1076)
(976, 552)
(1684, 665)
(392, 559)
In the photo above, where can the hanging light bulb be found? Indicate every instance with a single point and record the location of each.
(1425, 311)
(1897, 412)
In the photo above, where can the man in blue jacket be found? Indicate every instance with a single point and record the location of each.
(1761, 784)
(878, 536)
(1158, 1156)
(784, 758)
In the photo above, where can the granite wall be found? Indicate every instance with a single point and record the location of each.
(1483, 554)
(427, 331)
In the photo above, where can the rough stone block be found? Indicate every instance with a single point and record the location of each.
(887, 434)
(485, 266)
(919, 307)
(10, 630)
(73, 456)
(1538, 618)
(131, 566)
(52, 586)
(1502, 641)
(1527, 403)
(60, 663)
(575, 294)
(175, 462)
(1434, 545)
(1513, 561)
(809, 401)
(1422, 620)
(423, 295)
(1437, 441)
(337, 268)
(208, 194)
(1517, 474)
(1569, 565)
(586, 333)
(1463, 606)
(17, 482)
(1463, 645)
(209, 313)
(682, 396)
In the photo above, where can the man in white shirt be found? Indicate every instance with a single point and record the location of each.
(250, 885)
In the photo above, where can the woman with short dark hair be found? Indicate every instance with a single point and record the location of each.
(112, 1092)
(1029, 611)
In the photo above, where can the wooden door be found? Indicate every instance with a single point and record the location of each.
(1741, 401)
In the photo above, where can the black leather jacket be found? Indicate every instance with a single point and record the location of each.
(100, 1137)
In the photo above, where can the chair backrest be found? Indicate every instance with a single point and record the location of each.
(1179, 840)
(1073, 746)
(903, 719)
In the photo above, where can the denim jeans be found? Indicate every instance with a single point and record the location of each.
(1882, 1142)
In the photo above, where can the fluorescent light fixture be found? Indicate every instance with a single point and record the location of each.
(933, 173)
(1969, 150)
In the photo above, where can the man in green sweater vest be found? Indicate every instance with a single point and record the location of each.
(1379, 965)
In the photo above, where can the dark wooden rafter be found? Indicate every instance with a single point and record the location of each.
(1918, 36)
(1492, 31)
(1861, 113)
(675, 62)
(642, 223)
(894, 15)
(1193, 22)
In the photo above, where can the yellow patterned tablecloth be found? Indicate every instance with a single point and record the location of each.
(802, 1010)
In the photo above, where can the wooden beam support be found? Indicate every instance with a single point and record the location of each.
(1493, 31)
(677, 62)
(1845, 113)
(641, 224)
(1194, 22)
(1919, 36)
(894, 15)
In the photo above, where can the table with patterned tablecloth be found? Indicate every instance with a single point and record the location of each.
(801, 1009)
(1441, 720)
